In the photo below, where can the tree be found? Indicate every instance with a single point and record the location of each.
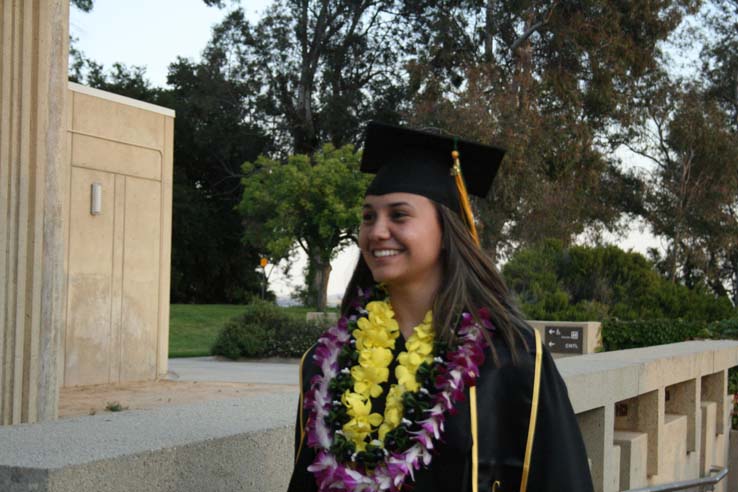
(323, 68)
(313, 203)
(720, 69)
(692, 194)
(83, 5)
(720, 56)
(555, 282)
(319, 70)
(549, 80)
(213, 137)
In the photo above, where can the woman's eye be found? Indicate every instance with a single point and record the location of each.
(367, 217)
(398, 215)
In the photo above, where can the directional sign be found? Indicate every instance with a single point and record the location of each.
(565, 339)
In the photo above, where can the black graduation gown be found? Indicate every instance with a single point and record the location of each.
(504, 395)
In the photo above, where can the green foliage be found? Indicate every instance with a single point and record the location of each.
(83, 5)
(619, 335)
(311, 202)
(579, 283)
(114, 406)
(314, 203)
(266, 330)
(212, 139)
(726, 328)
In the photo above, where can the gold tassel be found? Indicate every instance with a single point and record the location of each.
(466, 210)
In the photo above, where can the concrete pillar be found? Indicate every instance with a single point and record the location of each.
(33, 178)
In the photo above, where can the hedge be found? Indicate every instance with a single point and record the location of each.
(618, 335)
(266, 330)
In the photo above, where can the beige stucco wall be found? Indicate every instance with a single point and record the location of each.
(118, 261)
(33, 87)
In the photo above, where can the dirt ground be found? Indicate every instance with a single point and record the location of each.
(90, 400)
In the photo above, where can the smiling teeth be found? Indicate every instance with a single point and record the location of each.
(386, 252)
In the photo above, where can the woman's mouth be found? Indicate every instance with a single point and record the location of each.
(383, 253)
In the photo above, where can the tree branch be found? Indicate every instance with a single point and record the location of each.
(524, 37)
(303, 246)
(535, 27)
(643, 153)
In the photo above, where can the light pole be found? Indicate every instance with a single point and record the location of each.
(263, 262)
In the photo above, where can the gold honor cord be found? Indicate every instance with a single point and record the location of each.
(531, 425)
(475, 441)
(468, 216)
(302, 424)
(533, 412)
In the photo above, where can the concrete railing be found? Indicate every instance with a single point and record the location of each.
(648, 416)
(653, 415)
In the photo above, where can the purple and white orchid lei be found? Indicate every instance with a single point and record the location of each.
(459, 369)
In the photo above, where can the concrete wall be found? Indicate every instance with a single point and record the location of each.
(33, 177)
(219, 446)
(119, 260)
(247, 444)
(663, 410)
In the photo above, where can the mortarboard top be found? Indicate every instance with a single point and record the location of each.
(420, 162)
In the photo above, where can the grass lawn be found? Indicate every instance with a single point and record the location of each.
(194, 327)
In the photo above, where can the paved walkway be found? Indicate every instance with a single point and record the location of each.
(214, 369)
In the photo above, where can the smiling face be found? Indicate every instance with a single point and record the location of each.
(400, 239)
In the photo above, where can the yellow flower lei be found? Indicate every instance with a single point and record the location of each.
(375, 338)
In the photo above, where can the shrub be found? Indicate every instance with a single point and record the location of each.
(581, 283)
(266, 330)
(618, 335)
(727, 328)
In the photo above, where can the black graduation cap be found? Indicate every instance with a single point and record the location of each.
(421, 162)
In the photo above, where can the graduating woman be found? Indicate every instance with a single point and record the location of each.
(431, 381)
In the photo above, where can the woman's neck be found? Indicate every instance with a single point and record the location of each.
(410, 303)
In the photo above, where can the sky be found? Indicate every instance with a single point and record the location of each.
(153, 33)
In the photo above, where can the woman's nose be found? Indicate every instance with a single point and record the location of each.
(379, 229)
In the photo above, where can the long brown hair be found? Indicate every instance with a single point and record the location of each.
(470, 282)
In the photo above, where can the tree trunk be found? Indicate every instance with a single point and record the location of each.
(489, 53)
(734, 268)
(673, 260)
(321, 274)
(523, 71)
